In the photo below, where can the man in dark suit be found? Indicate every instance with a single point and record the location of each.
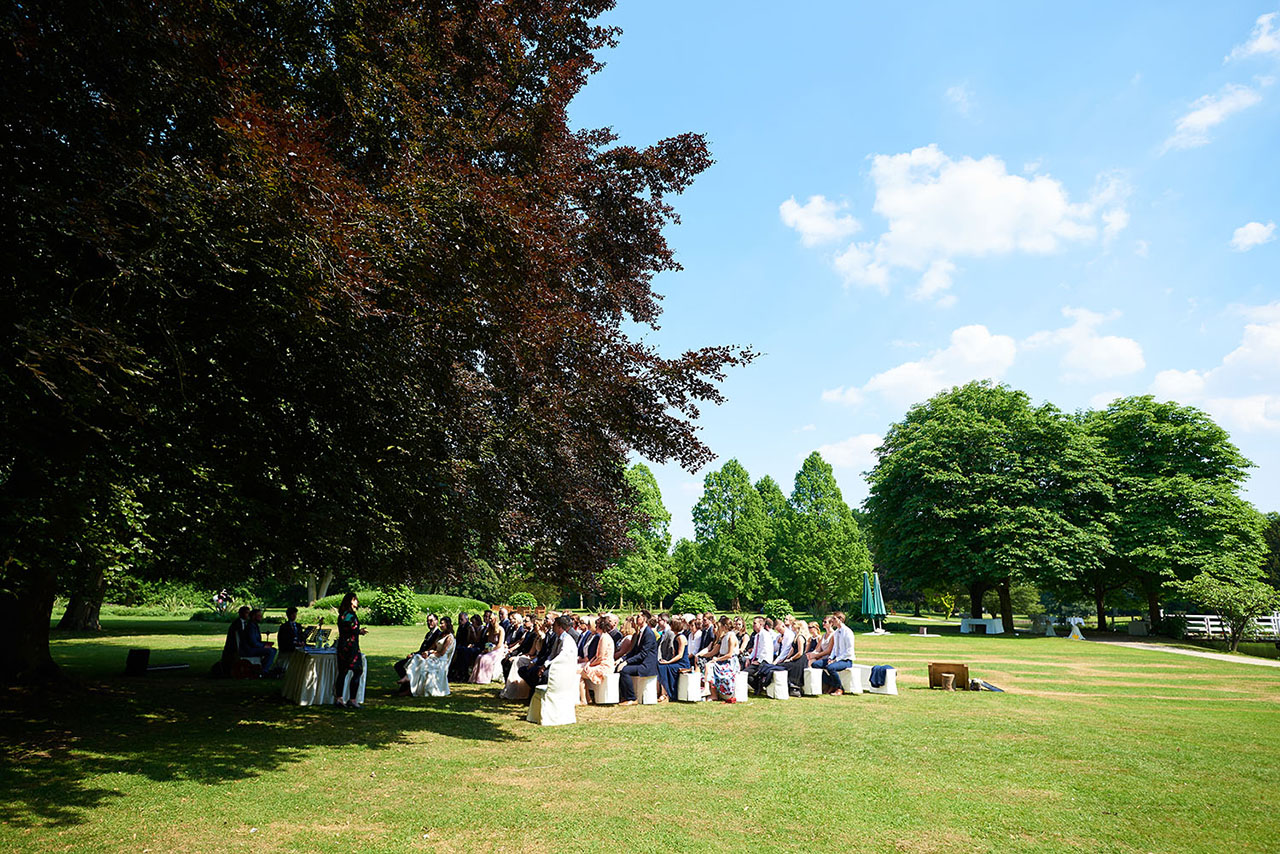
(535, 673)
(290, 636)
(251, 645)
(235, 640)
(641, 659)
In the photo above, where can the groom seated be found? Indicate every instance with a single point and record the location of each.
(641, 659)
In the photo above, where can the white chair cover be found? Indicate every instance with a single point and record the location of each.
(516, 688)
(554, 704)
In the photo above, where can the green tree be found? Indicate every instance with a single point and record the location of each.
(684, 560)
(1271, 536)
(976, 487)
(324, 285)
(1176, 477)
(823, 554)
(644, 571)
(1238, 599)
(777, 511)
(732, 534)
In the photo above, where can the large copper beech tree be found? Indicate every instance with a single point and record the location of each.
(311, 284)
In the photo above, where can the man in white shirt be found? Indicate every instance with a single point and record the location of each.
(762, 653)
(841, 655)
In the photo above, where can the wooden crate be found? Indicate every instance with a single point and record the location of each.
(936, 669)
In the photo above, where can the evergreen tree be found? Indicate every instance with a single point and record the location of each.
(732, 533)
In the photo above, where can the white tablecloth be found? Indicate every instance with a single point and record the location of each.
(309, 679)
(994, 626)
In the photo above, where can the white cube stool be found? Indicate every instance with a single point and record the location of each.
(778, 689)
(740, 686)
(689, 687)
(851, 680)
(646, 689)
(812, 682)
(890, 685)
(606, 693)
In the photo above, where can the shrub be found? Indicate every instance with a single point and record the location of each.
(1172, 626)
(693, 602)
(523, 600)
(209, 615)
(777, 608)
(440, 605)
(393, 606)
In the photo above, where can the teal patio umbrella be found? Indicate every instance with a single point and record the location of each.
(867, 599)
(878, 610)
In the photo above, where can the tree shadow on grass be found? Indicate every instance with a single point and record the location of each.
(58, 744)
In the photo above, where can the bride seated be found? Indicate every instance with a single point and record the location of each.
(436, 664)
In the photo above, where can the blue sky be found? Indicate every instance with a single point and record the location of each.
(1077, 200)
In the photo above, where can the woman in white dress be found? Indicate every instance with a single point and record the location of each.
(437, 682)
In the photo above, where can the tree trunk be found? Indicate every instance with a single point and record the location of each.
(737, 605)
(977, 590)
(581, 606)
(311, 591)
(1098, 596)
(82, 614)
(1006, 605)
(619, 600)
(25, 611)
(1153, 601)
(916, 613)
(325, 581)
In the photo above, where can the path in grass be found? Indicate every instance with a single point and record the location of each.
(1198, 653)
(1094, 746)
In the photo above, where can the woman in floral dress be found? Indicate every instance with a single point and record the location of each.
(724, 666)
(348, 649)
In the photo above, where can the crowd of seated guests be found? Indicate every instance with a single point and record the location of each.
(490, 646)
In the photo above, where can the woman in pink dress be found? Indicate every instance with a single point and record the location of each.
(601, 664)
(490, 661)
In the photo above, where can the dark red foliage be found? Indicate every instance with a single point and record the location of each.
(329, 283)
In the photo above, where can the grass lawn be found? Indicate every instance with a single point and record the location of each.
(1093, 746)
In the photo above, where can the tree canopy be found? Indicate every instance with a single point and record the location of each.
(976, 487)
(644, 571)
(732, 533)
(308, 284)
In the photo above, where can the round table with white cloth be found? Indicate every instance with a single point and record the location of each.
(309, 679)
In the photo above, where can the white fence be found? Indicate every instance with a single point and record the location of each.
(1211, 626)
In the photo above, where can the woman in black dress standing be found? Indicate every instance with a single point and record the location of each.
(348, 649)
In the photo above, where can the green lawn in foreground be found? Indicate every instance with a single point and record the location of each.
(1093, 747)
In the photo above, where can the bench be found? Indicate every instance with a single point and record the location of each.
(890, 685)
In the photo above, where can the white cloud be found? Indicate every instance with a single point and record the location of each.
(1141, 248)
(856, 452)
(935, 281)
(1209, 111)
(808, 428)
(1230, 391)
(961, 97)
(1262, 41)
(818, 220)
(849, 396)
(1252, 234)
(974, 353)
(939, 209)
(1103, 399)
(1088, 355)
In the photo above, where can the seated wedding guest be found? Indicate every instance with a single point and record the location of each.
(290, 636)
(588, 640)
(792, 656)
(761, 654)
(818, 657)
(535, 674)
(505, 621)
(470, 647)
(641, 658)
(438, 659)
(628, 637)
(461, 638)
(614, 631)
(723, 664)
(521, 641)
(600, 664)
(428, 643)
(235, 641)
(489, 662)
(673, 656)
(252, 645)
(840, 656)
(534, 671)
